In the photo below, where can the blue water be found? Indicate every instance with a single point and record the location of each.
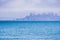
(29, 30)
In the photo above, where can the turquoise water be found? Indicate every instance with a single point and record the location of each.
(29, 30)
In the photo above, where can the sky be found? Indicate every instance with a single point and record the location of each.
(21, 8)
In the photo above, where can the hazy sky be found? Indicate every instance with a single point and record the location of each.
(21, 8)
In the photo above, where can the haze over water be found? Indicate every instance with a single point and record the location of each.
(11, 9)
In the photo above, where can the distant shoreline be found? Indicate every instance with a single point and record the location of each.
(27, 21)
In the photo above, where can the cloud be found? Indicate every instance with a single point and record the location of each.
(7, 6)
(33, 3)
(3, 2)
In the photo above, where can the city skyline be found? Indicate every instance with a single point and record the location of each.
(40, 17)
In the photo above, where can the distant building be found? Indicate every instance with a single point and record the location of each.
(41, 17)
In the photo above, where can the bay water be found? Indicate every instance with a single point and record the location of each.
(29, 30)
